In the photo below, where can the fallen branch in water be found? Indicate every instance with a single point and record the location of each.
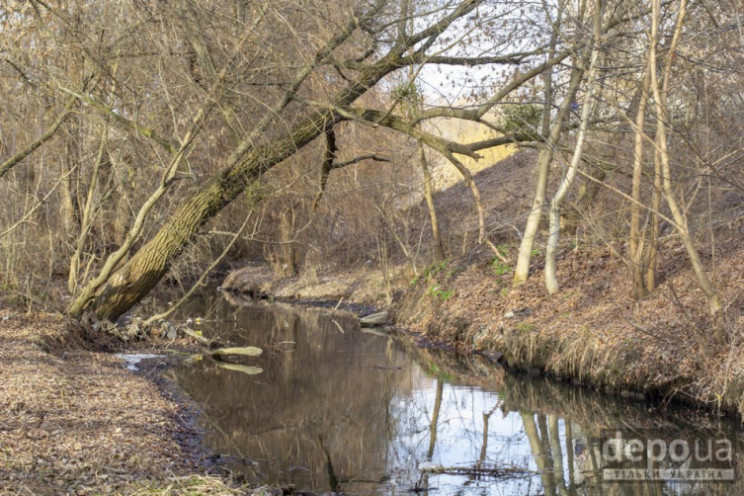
(480, 471)
(374, 319)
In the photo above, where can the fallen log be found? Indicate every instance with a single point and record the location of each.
(374, 319)
(478, 470)
(251, 351)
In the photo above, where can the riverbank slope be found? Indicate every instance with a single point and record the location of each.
(591, 333)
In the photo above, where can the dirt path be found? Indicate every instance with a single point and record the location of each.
(76, 421)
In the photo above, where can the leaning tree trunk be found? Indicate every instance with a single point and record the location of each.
(141, 273)
(660, 89)
(137, 276)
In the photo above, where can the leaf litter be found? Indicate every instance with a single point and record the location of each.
(74, 420)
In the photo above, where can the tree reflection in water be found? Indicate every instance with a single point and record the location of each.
(338, 408)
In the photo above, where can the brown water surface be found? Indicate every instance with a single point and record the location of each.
(339, 408)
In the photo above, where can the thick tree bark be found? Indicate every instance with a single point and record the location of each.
(132, 281)
(143, 271)
(653, 237)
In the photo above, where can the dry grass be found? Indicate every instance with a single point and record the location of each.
(592, 332)
(192, 485)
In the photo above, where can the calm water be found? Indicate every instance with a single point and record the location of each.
(338, 408)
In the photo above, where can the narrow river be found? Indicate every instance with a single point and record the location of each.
(332, 407)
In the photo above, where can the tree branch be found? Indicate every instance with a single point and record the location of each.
(31, 147)
(147, 132)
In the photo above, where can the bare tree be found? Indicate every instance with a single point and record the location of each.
(552, 130)
(132, 125)
(551, 281)
(113, 292)
(660, 89)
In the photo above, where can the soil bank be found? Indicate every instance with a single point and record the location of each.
(74, 420)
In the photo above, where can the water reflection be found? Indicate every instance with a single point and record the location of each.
(337, 408)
